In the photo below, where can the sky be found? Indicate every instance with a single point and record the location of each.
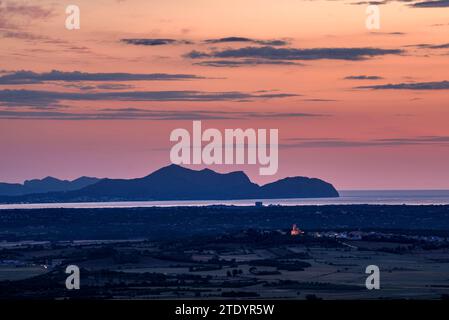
(360, 108)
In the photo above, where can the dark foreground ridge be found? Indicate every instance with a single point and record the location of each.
(226, 253)
(158, 223)
(178, 183)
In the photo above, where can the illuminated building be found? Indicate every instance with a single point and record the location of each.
(296, 231)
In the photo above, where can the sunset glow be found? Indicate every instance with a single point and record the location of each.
(363, 109)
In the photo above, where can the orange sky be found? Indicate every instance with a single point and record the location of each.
(395, 136)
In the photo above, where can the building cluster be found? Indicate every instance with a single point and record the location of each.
(359, 235)
(352, 235)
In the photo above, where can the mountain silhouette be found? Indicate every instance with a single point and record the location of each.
(178, 183)
(298, 187)
(48, 184)
(175, 182)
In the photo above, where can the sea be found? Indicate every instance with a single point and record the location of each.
(347, 197)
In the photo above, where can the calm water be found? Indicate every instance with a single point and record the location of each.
(397, 197)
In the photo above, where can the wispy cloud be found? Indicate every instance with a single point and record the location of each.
(154, 42)
(410, 3)
(384, 142)
(319, 100)
(431, 4)
(273, 42)
(38, 98)
(29, 77)
(34, 11)
(21, 35)
(379, 33)
(363, 77)
(13, 12)
(144, 114)
(169, 41)
(431, 46)
(244, 62)
(102, 86)
(439, 25)
(375, 3)
(272, 53)
(436, 85)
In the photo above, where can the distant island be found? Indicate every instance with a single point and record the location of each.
(172, 182)
(48, 184)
